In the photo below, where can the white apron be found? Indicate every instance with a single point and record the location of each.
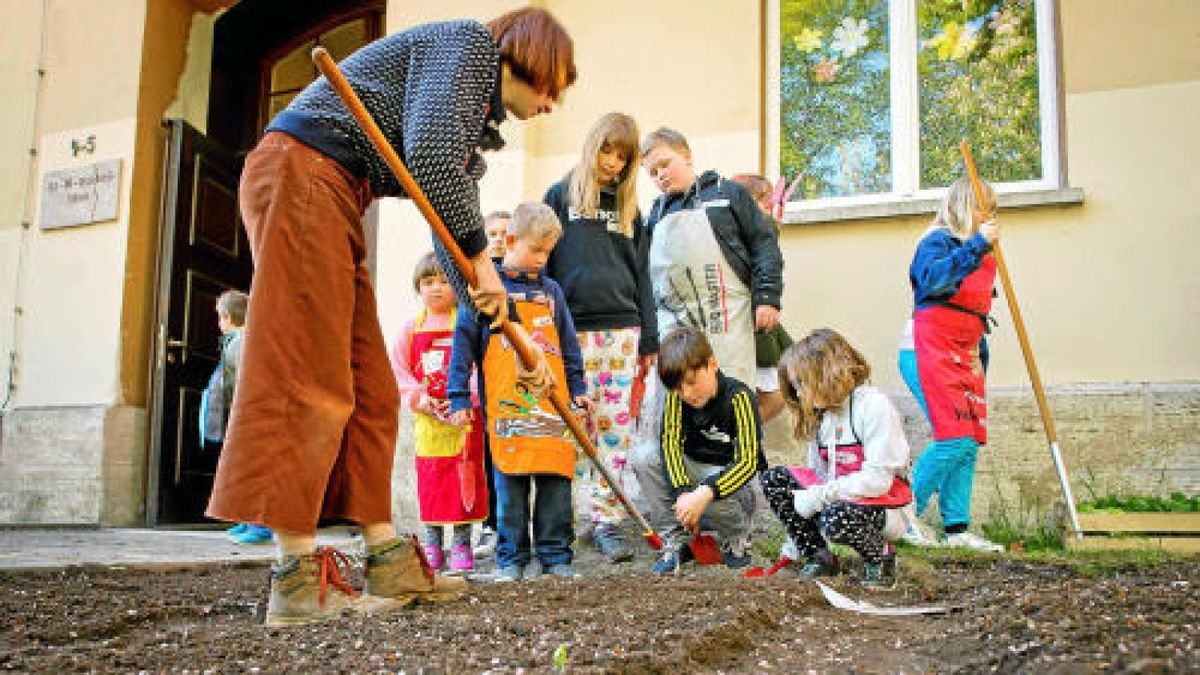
(695, 286)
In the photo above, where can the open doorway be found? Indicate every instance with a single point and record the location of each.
(260, 62)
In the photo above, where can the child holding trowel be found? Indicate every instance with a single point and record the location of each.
(451, 488)
(711, 448)
(853, 489)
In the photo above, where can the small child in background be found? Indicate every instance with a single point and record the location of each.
(451, 487)
(495, 226)
(770, 343)
(530, 444)
(710, 451)
(217, 399)
(943, 359)
(852, 491)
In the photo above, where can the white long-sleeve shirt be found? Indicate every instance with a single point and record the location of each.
(885, 449)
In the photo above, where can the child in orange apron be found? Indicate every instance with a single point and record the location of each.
(530, 444)
(451, 488)
(853, 488)
(952, 276)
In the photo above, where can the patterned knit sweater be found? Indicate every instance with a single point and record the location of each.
(434, 91)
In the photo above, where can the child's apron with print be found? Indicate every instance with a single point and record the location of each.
(526, 434)
(848, 458)
(946, 339)
(695, 286)
(451, 486)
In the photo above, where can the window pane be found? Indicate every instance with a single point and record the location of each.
(834, 96)
(295, 70)
(343, 40)
(978, 81)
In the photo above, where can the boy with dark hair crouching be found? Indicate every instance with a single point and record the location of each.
(710, 450)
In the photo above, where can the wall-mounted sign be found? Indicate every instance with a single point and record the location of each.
(80, 195)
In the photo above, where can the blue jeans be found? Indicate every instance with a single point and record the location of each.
(553, 527)
(946, 466)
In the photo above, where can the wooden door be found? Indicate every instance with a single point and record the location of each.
(203, 251)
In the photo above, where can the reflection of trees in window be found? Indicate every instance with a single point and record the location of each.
(843, 109)
(834, 103)
(978, 80)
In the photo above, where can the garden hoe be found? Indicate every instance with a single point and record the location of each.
(1035, 379)
(525, 350)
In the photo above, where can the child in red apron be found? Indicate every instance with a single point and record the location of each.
(531, 446)
(451, 487)
(853, 488)
(952, 276)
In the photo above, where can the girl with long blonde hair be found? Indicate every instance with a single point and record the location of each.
(600, 262)
(943, 358)
(853, 488)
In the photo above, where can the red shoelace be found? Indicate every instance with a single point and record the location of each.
(331, 562)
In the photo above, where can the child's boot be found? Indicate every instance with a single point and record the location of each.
(434, 555)
(399, 570)
(823, 563)
(879, 575)
(311, 588)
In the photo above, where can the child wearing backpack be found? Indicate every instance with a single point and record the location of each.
(217, 399)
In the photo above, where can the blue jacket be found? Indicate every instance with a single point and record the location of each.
(473, 331)
(940, 264)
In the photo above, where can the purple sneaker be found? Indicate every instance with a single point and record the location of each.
(434, 556)
(461, 559)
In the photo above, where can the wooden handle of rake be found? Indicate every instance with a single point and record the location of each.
(1011, 296)
(519, 340)
(1035, 378)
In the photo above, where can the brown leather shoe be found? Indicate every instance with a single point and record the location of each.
(312, 588)
(400, 571)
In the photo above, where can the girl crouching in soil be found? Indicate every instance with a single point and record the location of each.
(852, 490)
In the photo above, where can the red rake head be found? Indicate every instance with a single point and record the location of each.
(654, 540)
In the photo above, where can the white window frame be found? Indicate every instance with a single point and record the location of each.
(905, 111)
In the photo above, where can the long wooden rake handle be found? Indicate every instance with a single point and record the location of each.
(1010, 295)
(520, 342)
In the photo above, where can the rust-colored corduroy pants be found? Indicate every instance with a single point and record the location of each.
(312, 432)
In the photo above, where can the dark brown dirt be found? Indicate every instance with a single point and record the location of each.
(1016, 616)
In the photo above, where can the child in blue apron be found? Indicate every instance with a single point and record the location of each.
(943, 358)
(853, 489)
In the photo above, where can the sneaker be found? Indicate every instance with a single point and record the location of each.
(672, 559)
(971, 540)
(509, 573)
(237, 529)
(253, 534)
(561, 570)
(920, 535)
(823, 563)
(312, 588)
(434, 555)
(734, 560)
(611, 544)
(401, 571)
(485, 546)
(461, 560)
(880, 575)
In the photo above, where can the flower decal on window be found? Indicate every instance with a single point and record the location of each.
(825, 70)
(850, 36)
(809, 39)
